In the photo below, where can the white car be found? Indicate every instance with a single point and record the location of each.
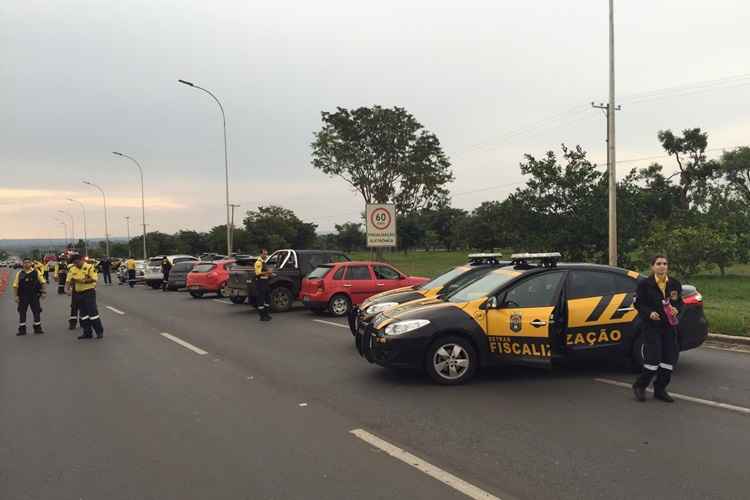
(154, 276)
(122, 272)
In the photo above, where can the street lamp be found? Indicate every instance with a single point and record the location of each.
(65, 226)
(85, 236)
(72, 227)
(127, 220)
(106, 224)
(226, 157)
(143, 202)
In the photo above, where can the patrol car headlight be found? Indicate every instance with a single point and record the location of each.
(402, 327)
(379, 308)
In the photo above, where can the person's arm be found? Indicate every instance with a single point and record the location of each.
(15, 286)
(91, 276)
(43, 285)
(641, 302)
(678, 304)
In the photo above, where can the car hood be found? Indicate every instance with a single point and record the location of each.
(418, 309)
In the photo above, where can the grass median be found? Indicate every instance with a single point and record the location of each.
(726, 299)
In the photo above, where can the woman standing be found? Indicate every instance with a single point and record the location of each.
(658, 301)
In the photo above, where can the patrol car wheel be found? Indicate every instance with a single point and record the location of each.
(281, 299)
(451, 361)
(339, 305)
(237, 299)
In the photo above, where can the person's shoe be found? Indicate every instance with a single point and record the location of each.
(663, 395)
(85, 336)
(38, 329)
(21, 331)
(640, 393)
(71, 326)
(100, 335)
(265, 318)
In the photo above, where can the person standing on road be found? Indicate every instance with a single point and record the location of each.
(262, 274)
(61, 272)
(82, 278)
(130, 268)
(29, 288)
(166, 266)
(658, 300)
(106, 267)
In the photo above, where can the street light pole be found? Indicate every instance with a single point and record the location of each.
(231, 231)
(143, 202)
(611, 142)
(127, 219)
(106, 224)
(85, 236)
(65, 225)
(226, 156)
(73, 226)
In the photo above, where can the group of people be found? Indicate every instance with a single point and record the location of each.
(74, 276)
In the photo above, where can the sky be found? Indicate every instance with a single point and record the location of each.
(492, 79)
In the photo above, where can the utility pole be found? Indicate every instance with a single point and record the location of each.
(605, 110)
(127, 221)
(231, 231)
(611, 142)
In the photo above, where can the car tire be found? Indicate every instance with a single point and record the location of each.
(196, 295)
(281, 299)
(237, 299)
(155, 286)
(222, 291)
(638, 354)
(339, 305)
(451, 360)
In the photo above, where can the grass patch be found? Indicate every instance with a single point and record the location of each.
(727, 299)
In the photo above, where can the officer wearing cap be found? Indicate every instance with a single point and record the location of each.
(262, 274)
(82, 278)
(29, 287)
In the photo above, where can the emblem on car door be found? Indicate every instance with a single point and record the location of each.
(515, 322)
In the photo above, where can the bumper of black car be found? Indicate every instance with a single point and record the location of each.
(403, 352)
(693, 328)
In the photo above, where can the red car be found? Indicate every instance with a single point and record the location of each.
(209, 277)
(335, 287)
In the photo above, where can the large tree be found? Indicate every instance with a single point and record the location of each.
(689, 151)
(735, 167)
(386, 155)
(273, 227)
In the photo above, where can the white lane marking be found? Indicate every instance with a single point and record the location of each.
(434, 472)
(330, 323)
(184, 344)
(222, 301)
(115, 310)
(742, 350)
(707, 402)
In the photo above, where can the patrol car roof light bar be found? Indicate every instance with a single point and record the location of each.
(547, 259)
(484, 258)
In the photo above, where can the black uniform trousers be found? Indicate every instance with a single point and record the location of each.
(165, 281)
(89, 312)
(29, 302)
(131, 277)
(61, 283)
(660, 357)
(261, 298)
(74, 309)
(107, 276)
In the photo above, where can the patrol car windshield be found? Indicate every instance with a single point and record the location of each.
(482, 287)
(443, 278)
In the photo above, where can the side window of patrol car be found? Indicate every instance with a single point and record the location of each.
(538, 291)
(585, 283)
(625, 284)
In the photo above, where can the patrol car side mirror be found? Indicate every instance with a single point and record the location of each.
(491, 303)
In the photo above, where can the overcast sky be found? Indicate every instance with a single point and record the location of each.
(493, 79)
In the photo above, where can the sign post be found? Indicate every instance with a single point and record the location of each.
(381, 225)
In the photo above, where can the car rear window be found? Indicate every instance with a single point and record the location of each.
(183, 266)
(319, 272)
(203, 268)
(155, 261)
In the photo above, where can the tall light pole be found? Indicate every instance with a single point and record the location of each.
(85, 236)
(65, 226)
(611, 142)
(72, 226)
(143, 200)
(106, 223)
(226, 157)
(127, 221)
(233, 206)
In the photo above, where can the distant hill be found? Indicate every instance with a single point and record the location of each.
(30, 244)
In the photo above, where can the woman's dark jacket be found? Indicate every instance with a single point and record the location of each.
(648, 299)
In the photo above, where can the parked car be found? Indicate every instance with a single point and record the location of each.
(336, 287)
(211, 257)
(154, 276)
(209, 277)
(140, 273)
(289, 267)
(238, 276)
(178, 274)
(532, 312)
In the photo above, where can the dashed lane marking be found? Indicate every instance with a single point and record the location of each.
(117, 311)
(223, 301)
(434, 472)
(186, 345)
(707, 402)
(332, 323)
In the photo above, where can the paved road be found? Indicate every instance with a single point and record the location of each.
(137, 415)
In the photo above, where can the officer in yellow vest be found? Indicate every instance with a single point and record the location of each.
(82, 278)
(28, 288)
(262, 275)
(130, 266)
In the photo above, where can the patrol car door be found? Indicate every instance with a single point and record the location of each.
(521, 326)
(600, 312)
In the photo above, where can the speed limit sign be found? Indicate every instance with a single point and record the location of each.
(381, 225)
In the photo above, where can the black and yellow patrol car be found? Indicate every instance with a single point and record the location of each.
(477, 265)
(532, 312)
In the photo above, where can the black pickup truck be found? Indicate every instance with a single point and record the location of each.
(289, 267)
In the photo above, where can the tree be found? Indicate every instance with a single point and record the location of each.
(411, 232)
(488, 230)
(735, 167)
(349, 236)
(275, 227)
(191, 242)
(689, 152)
(446, 223)
(386, 155)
